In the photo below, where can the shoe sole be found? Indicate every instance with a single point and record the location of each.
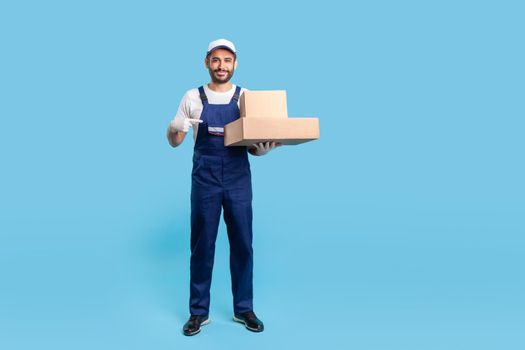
(197, 332)
(245, 325)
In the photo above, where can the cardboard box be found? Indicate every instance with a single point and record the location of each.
(287, 131)
(263, 104)
(264, 117)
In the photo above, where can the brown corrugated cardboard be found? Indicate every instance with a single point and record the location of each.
(287, 131)
(264, 117)
(263, 104)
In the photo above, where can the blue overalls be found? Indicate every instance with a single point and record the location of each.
(221, 177)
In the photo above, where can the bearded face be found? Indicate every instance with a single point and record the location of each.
(221, 65)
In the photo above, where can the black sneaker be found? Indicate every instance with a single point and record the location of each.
(193, 326)
(250, 321)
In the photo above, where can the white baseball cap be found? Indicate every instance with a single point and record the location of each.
(221, 44)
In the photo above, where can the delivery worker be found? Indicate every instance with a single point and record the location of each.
(221, 179)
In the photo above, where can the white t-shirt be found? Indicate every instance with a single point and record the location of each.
(191, 105)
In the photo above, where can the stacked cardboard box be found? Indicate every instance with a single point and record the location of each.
(264, 117)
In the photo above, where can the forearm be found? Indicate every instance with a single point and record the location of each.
(175, 138)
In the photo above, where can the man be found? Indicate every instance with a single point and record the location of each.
(221, 179)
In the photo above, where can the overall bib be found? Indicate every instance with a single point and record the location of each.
(221, 178)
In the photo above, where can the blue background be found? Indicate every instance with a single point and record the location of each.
(401, 228)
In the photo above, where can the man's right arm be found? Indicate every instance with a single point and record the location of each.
(175, 138)
(177, 129)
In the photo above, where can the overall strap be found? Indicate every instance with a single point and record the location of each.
(203, 96)
(237, 93)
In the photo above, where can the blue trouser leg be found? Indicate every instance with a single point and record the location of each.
(205, 215)
(238, 217)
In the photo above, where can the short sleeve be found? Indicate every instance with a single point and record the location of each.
(184, 110)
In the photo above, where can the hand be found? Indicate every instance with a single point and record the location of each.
(183, 124)
(262, 148)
